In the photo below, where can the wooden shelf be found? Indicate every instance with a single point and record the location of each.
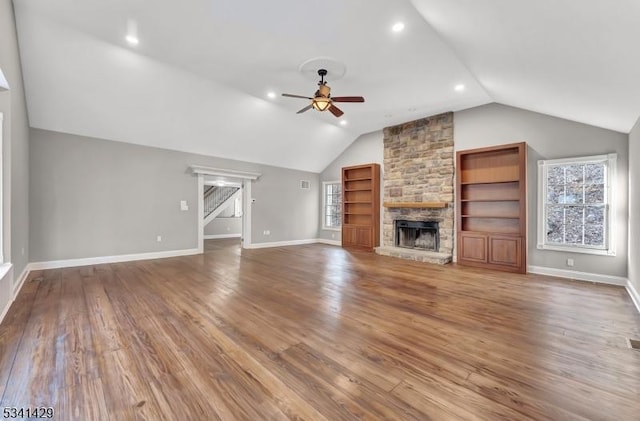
(416, 205)
(361, 206)
(489, 200)
(465, 183)
(491, 207)
(490, 216)
(358, 179)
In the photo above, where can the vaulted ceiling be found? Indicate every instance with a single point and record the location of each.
(199, 77)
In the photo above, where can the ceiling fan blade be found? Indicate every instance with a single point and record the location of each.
(347, 99)
(307, 108)
(296, 96)
(335, 111)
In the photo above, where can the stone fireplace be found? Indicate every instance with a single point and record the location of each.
(418, 188)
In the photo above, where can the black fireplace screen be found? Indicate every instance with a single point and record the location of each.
(421, 235)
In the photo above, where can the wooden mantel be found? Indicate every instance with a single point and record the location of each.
(420, 205)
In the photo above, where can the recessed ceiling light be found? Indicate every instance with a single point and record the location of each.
(132, 32)
(459, 88)
(132, 40)
(398, 27)
(343, 122)
(271, 95)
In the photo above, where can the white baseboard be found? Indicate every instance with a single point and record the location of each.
(580, 276)
(23, 277)
(329, 242)
(5, 310)
(219, 236)
(55, 264)
(6, 273)
(16, 288)
(633, 292)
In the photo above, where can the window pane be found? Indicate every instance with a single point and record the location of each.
(594, 173)
(555, 194)
(555, 176)
(573, 221)
(575, 174)
(594, 193)
(555, 225)
(594, 215)
(594, 235)
(555, 214)
(574, 194)
(332, 200)
(573, 215)
(573, 234)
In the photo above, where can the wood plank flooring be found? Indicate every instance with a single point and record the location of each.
(320, 333)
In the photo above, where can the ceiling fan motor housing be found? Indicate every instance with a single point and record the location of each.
(324, 90)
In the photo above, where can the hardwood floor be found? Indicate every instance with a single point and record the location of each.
(316, 332)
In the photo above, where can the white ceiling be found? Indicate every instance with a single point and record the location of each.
(199, 77)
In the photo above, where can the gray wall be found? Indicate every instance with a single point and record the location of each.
(549, 138)
(366, 149)
(15, 165)
(224, 226)
(92, 197)
(634, 206)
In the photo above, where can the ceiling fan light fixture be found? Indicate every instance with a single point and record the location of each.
(321, 103)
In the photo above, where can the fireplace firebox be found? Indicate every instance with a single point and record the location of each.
(420, 235)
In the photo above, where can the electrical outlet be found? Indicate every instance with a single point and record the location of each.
(570, 262)
(333, 235)
(266, 232)
(159, 238)
(22, 251)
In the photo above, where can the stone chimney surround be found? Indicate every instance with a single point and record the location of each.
(418, 183)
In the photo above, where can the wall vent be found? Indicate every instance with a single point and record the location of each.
(305, 184)
(633, 344)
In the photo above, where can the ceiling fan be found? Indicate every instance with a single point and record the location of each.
(322, 99)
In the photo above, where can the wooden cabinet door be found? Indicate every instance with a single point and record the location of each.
(364, 237)
(505, 250)
(349, 237)
(472, 247)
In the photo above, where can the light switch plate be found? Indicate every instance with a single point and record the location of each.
(183, 205)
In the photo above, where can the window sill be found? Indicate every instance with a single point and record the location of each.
(5, 268)
(569, 249)
(331, 229)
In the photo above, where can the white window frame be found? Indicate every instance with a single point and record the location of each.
(324, 206)
(609, 248)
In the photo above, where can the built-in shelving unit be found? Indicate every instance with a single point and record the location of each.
(491, 207)
(361, 206)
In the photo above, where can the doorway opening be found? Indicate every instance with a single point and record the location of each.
(235, 188)
(223, 208)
